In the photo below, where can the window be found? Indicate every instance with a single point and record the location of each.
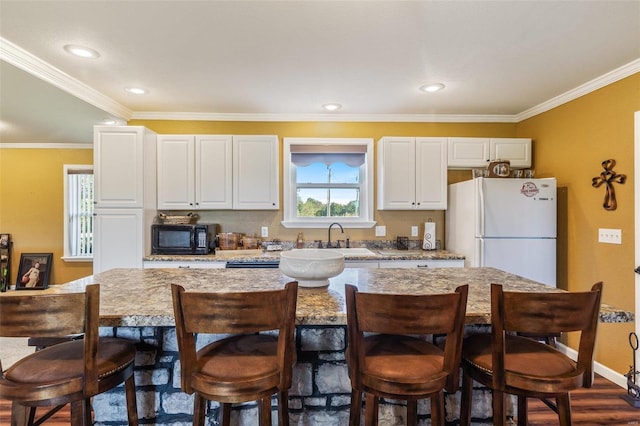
(328, 180)
(78, 213)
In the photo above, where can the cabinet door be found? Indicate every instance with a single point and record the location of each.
(213, 172)
(396, 173)
(176, 174)
(118, 166)
(431, 173)
(117, 239)
(256, 173)
(467, 153)
(516, 150)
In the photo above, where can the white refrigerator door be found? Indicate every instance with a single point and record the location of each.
(516, 208)
(534, 259)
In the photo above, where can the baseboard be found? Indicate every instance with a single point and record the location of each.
(603, 370)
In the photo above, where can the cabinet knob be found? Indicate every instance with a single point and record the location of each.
(273, 204)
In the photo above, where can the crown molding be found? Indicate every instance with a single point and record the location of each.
(52, 145)
(24, 60)
(590, 86)
(389, 118)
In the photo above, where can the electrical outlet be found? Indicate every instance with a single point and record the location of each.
(381, 231)
(414, 231)
(265, 231)
(610, 236)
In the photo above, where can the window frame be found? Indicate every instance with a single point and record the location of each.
(67, 168)
(290, 201)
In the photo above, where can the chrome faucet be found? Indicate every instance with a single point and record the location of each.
(329, 236)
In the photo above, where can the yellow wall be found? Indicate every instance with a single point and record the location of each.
(571, 141)
(31, 206)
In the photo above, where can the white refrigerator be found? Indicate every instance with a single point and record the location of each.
(508, 224)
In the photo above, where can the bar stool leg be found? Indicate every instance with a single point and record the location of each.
(437, 409)
(522, 410)
(371, 410)
(412, 412)
(199, 406)
(264, 413)
(465, 402)
(564, 409)
(283, 408)
(356, 408)
(498, 403)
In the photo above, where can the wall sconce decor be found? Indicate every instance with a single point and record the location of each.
(608, 177)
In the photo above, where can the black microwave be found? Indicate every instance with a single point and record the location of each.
(179, 239)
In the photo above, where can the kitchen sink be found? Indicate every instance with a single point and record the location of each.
(356, 251)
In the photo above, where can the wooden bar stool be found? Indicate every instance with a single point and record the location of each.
(509, 363)
(246, 366)
(391, 362)
(69, 372)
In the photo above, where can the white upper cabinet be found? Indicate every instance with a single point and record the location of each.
(516, 150)
(218, 172)
(412, 173)
(194, 172)
(124, 159)
(465, 153)
(256, 177)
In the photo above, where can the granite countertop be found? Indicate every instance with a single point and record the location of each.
(265, 256)
(142, 297)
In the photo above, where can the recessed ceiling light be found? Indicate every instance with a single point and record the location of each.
(434, 87)
(332, 107)
(136, 90)
(81, 51)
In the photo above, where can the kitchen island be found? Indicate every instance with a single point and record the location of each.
(136, 304)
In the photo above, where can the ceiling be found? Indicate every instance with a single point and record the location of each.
(282, 60)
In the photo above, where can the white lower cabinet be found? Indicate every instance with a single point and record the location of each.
(188, 265)
(360, 264)
(439, 263)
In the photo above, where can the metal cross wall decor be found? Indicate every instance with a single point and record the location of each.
(608, 177)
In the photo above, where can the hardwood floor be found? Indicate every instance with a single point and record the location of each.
(600, 405)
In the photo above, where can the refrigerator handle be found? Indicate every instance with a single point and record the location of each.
(479, 253)
(480, 208)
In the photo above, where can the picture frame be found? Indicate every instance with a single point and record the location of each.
(4, 240)
(34, 271)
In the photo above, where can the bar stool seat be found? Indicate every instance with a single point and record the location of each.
(386, 358)
(246, 365)
(70, 372)
(509, 363)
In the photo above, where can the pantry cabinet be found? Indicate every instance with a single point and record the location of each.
(466, 153)
(124, 195)
(412, 173)
(218, 172)
(194, 172)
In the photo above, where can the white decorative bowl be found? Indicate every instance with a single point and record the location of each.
(311, 267)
